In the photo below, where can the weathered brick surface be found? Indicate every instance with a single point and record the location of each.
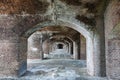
(34, 47)
(23, 6)
(112, 18)
(83, 48)
(19, 16)
(113, 59)
(8, 58)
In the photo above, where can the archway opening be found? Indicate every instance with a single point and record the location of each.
(92, 42)
(58, 43)
(60, 46)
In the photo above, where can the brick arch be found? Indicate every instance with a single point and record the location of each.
(92, 40)
(80, 27)
(63, 42)
(67, 39)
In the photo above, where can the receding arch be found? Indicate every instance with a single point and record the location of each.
(92, 40)
(61, 42)
(68, 40)
(60, 46)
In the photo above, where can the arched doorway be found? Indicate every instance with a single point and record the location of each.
(92, 40)
(60, 46)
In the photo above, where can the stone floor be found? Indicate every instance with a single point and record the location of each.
(56, 69)
(59, 54)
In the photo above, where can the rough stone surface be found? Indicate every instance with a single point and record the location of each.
(56, 69)
(23, 6)
(83, 48)
(21, 18)
(112, 18)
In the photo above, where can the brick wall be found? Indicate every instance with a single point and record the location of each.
(112, 18)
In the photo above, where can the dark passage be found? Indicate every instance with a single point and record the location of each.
(60, 46)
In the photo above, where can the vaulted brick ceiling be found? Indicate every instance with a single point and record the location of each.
(30, 6)
(85, 10)
(20, 6)
(61, 30)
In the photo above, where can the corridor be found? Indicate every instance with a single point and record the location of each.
(59, 39)
(59, 54)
